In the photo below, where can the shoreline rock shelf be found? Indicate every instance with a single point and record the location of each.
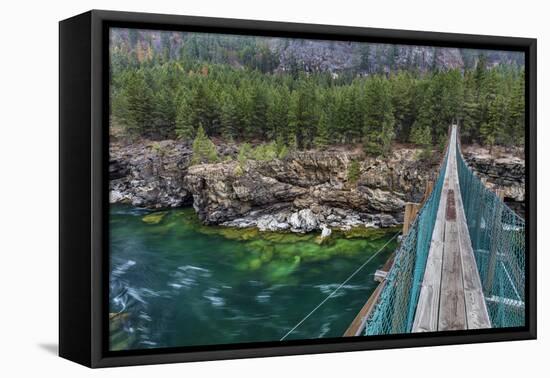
(303, 192)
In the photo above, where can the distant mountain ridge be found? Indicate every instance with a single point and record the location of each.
(286, 54)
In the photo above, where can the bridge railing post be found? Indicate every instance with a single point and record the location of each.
(427, 191)
(479, 217)
(495, 236)
(411, 210)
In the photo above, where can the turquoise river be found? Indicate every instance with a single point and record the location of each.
(175, 282)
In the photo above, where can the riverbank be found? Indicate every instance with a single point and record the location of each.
(335, 189)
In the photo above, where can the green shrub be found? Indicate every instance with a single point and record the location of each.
(353, 172)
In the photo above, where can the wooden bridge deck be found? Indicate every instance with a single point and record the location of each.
(451, 297)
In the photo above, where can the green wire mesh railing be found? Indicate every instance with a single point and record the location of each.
(395, 308)
(498, 240)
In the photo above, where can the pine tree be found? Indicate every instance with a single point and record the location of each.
(471, 112)
(243, 101)
(517, 111)
(491, 129)
(229, 117)
(139, 100)
(259, 112)
(402, 87)
(245, 152)
(487, 95)
(321, 138)
(164, 113)
(357, 112)
(379, 122)
(303, 113)
(201, 108)
(277, 115)
(421, 136)
(453, 95)
(204, 151)
(480, 71)
(185, 129)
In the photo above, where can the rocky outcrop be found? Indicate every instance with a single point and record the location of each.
(149, 174)
(307, 190)
(501, 169)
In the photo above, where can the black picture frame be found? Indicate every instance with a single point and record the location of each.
(83, 181)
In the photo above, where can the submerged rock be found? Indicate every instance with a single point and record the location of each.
(325, 231)
(154, 218)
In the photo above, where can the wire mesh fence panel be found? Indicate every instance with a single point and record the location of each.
(498, 240)
(395, 309)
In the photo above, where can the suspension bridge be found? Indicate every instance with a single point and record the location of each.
(459, 265)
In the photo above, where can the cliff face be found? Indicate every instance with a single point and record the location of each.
(311, 55)
(302, 192)
(306, 190)
(322, 56)
(502, 170)
(149, 174)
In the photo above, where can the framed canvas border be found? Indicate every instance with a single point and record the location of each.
(84, 187)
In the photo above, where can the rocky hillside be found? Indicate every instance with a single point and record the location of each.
(322, 56)
(309, 55)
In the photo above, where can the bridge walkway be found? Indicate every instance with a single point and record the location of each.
(451, 296)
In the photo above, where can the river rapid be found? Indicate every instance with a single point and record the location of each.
(175, 282)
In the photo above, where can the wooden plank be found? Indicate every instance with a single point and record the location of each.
(380, 275)
(389, 262)
(477, 316)
(500, 194)
(358, 324)
(439, 228)
(427, 310)
(475, 307)
(452, 308)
